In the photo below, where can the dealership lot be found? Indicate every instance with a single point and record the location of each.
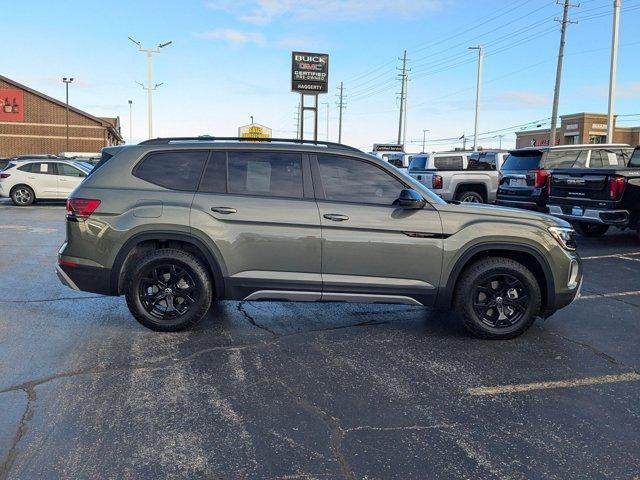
(280, 390)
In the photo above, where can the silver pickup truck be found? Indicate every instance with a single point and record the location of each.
(460, 176)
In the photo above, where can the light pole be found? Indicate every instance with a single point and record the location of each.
(499, 141)
(613, 68)
(130, 121)
(67, 81)
(478, 85)
(150, 85)
(424, 139)
(327, 104)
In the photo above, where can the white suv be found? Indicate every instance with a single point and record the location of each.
(27, 180)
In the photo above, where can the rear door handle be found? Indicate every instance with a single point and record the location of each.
(336, 217)
(224, 210)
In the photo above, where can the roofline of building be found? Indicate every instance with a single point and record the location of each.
(103, 123)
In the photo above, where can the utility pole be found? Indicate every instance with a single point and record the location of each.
(130, 121)
(403, 96)
(556, 90)
(464, 141)
(296, 116)
(613, 70)
(67, 81)
(327, 134)
(150, 85)
(478, 86)
(341, 106)
(499, 141)
(424, 139)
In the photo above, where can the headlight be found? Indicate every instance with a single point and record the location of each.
(564, 236)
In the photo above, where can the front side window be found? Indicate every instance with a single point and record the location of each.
(178, 170)
(69, 171)
(271, 174)
(349, 180)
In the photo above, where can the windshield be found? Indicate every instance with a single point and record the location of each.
(418, 162)
(527, 160)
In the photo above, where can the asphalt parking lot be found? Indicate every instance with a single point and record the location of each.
(302, 391)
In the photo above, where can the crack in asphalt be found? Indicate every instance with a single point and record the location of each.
(27, 415)
(52, 299)
(252, 320)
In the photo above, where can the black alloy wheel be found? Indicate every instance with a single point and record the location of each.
(167, 291)
(500, 301)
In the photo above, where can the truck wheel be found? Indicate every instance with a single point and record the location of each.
(497, 298)
(590, 229)
(21, 196)
(469, 196)
(168, 290)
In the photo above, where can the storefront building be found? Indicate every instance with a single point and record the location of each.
(579, 128)
(34, 123)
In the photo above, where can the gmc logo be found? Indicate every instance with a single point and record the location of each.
(575, 181)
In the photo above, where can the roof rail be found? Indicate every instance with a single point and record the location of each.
(207, 138)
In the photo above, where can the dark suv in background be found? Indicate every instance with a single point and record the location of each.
(525, 172)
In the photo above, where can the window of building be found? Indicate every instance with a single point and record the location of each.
(214, 179)
(178, 170)
(265, 173)
(597, 139)
(350, 180)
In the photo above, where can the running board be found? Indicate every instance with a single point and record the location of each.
(302, 296)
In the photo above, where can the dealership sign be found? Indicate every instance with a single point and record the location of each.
(309, 72)
(11, 105)
(385, 147)
(254, 130)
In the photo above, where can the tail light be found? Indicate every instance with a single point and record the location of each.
(541, 178)
(81, 207)
(616, 188)
(4, 175)
(436, 182)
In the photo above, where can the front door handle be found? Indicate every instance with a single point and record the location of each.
(224, 210)
(336, 217)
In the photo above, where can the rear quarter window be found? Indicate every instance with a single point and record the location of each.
(560, 159)
(177, 170)
(522, 161)
(452, 162)
(418, 162)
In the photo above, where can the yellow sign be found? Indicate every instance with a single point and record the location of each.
(254, 130)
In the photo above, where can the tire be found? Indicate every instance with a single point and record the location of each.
(171, 280)
(493, 281)
(591, 230)
(22, 196)
(469, 196)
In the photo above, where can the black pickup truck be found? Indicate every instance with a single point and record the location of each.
(594, 199)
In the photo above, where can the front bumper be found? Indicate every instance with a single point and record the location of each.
(589, 215)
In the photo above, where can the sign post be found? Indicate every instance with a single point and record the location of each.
(309, 77)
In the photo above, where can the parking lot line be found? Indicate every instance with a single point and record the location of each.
(629, 258)
(608, 295)
(614, 255)
(576, 382)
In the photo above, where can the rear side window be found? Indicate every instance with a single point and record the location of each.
(178, 170)
(271, 174)
(635, 158)
(453, 162)
(482, 161)
(27, 168)
(560, 158)
(522, 161)
(214, 179)
(596, 159)
(613, 157)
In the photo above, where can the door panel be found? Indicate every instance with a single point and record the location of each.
(370, 246)
(44, 180)
(267, 231)
(382, 250)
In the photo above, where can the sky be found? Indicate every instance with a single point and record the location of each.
(231, 59)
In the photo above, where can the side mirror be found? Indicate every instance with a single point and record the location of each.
(410, 199)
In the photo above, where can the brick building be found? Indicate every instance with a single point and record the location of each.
(32, 122)
(579, 128)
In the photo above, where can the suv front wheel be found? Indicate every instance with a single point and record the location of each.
(168, 290)
(497, 298)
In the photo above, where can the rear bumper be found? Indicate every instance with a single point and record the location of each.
(85, 278)
(602, 217)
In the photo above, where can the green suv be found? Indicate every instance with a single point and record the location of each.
(176, 223)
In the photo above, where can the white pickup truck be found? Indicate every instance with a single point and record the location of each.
(461, 176)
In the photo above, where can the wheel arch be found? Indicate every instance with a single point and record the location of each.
(478, 187)
(146, 241)
(528, 255)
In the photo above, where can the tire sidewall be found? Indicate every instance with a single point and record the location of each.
(482, 272)
(469, 193)
(182, 260)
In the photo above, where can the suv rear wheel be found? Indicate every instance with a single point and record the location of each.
(22, 196)
(168, 290)
(590, 229)
(497, 298)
